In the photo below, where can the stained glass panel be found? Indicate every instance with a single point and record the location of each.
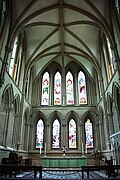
(57, 89)
(72, 134)
(69, 88)
(39, 134)
(56, 134)
(89, 134)
(45, 89)
(82, 88)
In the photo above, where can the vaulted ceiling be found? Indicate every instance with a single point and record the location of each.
(61, 31)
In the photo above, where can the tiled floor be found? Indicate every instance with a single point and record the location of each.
(63, 175)
(68, 175)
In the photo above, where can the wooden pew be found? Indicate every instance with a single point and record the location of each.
(9, 169)
(110, 169)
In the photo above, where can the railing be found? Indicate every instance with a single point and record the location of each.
(10, 169)
(110, 170)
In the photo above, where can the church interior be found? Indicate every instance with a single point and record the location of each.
(60, 82)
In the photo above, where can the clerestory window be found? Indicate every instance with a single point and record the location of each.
(56, 90)
(45, 89)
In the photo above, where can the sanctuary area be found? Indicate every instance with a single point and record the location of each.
(60, 83)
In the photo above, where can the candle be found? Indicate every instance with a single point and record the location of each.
(82, 149)
(40, 149)
(86, 149)
(45, 147)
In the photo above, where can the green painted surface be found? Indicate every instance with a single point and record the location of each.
(63, 162)
(54, 163)
(73, 162)
(45, 163)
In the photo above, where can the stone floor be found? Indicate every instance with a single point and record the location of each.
(68, 175)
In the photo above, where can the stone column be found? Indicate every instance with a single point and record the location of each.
(9, 129)
(39, 91)
(3, 123)
(115, 118)
(102, 138)
(76, 93)
(5, 64)
(22, 120)
(116, 59)
(27, 134)
(3, 26)
(63, 84)
(64, 134)
(97, 136)
(48, 138)
(16, 130)
(80, 135)
(51, 90)
(31, 138)
(105, 112)
(110, 123)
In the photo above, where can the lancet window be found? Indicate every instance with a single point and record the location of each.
(40, 134)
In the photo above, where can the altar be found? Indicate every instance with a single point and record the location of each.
(63, 162)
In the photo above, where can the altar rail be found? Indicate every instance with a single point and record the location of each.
(14, 169)
(110, 170)
(9, 169)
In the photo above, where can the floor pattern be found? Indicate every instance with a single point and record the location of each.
(59, 175)
(63, 175)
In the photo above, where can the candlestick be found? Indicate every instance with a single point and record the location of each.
(40, 149)
(82, 149)
(86, 149)
(45, 147)
(45, 150)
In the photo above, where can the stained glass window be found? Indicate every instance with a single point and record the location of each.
(69, 88)
(56, 134)
(82, 88)
(45, 89)
(89, 134)
(72, 134)
(57, 89)
(39, 134)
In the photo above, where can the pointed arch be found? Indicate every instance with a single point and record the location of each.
(8, 95)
